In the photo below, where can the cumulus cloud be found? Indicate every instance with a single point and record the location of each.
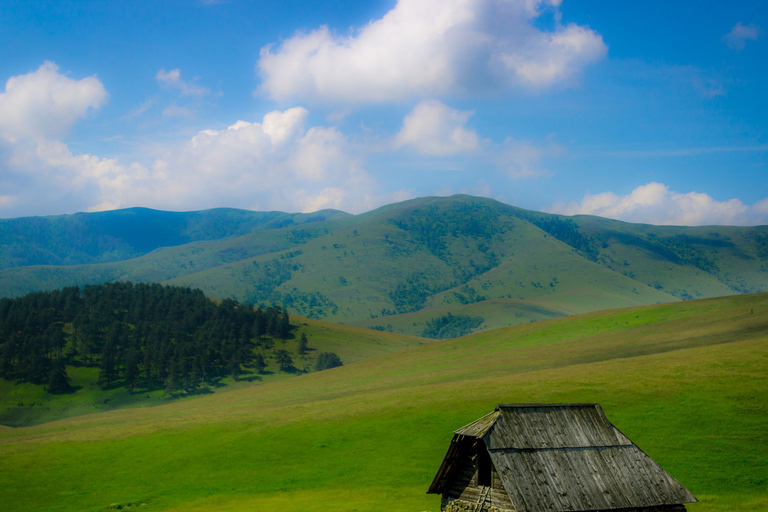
(277, 163)
(433, 128)
(45, 103)
(427, 48)
(655, 203)
(172, 80)
(737, 38)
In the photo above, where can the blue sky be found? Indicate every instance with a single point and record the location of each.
(646, 112)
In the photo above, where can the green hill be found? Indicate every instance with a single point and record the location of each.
(408, 264)
(686, 381)
(123, 234)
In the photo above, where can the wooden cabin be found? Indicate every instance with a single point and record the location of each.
(551, 458)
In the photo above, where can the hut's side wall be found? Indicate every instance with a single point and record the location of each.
(462, 489)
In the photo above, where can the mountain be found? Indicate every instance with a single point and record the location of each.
(685, 381)
(441, 265)
(118, 235)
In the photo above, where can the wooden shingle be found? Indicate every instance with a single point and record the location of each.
(556, 458)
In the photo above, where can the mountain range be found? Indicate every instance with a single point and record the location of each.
(435, 266)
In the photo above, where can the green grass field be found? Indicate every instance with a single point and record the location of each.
(687, 382)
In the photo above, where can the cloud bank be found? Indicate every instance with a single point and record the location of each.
(430, 48)
(278, 163)
(655, 203)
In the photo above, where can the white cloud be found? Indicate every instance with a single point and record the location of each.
(172, 80)
(45, 103)
(737, 38)
(141, 109)
(174, 110)
(523, 159)
(655, 203)
(7, 201)
(433, 128)
(275, 164)
(760, 208)
(428, 48)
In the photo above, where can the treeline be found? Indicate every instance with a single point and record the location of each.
(451, 326)
(567, 231)
(148, 335)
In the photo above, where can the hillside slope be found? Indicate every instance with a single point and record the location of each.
(685, 381)
(405, 265)
(123, 234)
(24, 403)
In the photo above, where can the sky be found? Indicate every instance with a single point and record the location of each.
(653, 111)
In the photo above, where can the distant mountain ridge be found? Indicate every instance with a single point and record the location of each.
(405, 265)
(117, 235)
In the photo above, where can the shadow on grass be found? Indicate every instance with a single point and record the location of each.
(199, 391)
(72, 390)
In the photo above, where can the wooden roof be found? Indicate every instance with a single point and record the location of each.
(479, 427)
(566, 457)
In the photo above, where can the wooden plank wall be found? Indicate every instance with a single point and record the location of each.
(463, 482)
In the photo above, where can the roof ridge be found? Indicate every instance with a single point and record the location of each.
(565, 404)
(480, 426)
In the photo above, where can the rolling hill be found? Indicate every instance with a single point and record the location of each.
(405, 265)
(123, 234)
(686, 381)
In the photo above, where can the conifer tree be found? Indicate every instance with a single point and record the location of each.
(327, 360)
(303, 344)
(58, 381)
(284, 360)
(259, 364)
(108, 367)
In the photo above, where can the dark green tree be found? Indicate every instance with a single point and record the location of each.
(131, 365)
(173, 382)
(327, 360)
(108, 367)
(259, 364)
(234, 368)
(58, 381)
(303, 344)
(283, 326)
(284, 360)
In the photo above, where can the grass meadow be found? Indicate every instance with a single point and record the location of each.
(686, 381)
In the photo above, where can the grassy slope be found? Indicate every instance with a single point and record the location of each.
(163, 263)
(121, 234)
(356, 270)
(690, 262)
(28, 404)
(686, 381)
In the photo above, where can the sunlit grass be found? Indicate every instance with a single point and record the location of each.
(687, 382)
